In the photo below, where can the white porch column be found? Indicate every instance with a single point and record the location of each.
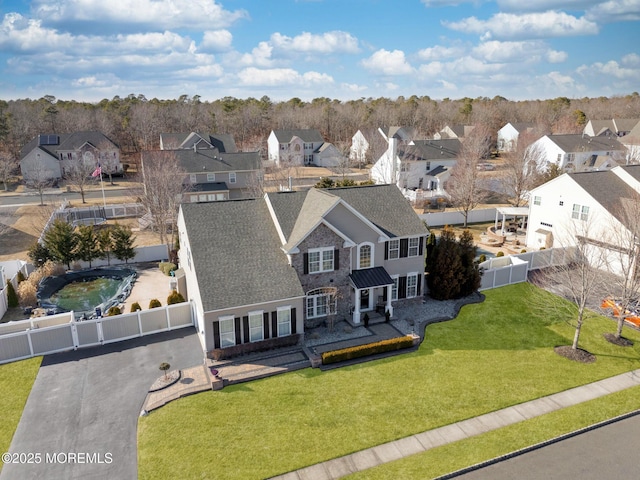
(356, 310)
(388, 307)
(504, 217)
(495, 225)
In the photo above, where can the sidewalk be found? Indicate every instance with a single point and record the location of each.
(421, 442)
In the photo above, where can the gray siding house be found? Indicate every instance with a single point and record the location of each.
(294, 259)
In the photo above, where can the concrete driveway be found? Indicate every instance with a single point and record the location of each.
(81, 416)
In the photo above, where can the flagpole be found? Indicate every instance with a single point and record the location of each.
(104, 202)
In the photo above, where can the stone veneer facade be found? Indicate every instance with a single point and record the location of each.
(321, 237)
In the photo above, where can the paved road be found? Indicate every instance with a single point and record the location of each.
(55, 196)
(607, 452)
(88, 402)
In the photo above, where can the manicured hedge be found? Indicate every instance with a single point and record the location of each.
(244, 348)
(382, 346)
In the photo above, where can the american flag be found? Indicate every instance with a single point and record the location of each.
(97, 171)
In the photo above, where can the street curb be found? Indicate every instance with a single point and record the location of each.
(537, 446)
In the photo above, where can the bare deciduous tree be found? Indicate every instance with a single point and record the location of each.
(162, 186)
(577, 279)
(38, 177)
(623, 252)
(8, 166)
(78, 173)
(465, 186)
(522, 167)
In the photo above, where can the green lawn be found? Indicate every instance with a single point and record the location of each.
(495, 354)
(471, 451)
(16, 380)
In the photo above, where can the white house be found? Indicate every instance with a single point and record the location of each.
(508, 135)
(296, 147)
(420, 165)
(594, 205)
(618, 126)
(454, 131)
(632, 142)
(50, 156)
(579, 152)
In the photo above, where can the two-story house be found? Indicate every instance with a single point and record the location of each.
(579, 152)
(215, 169)
(420, 165)
(50, 156)
(273, 266)
(508, 135)
(594, 206)
(454, 131)
(617, 126)
(302, 147)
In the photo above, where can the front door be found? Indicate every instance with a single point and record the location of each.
(365, 297)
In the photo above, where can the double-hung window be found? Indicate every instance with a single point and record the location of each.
(284, 321)
(227, 332)
(414, 244)
(318, 305)
(580, 212)
(412, 285)
(537, 200)
(394, 288)
(394, 249)
(255, 327)
(364, 256)
(321, 260)
(211, 177)
(232, 177)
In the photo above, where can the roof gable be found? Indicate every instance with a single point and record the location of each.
(306, 135)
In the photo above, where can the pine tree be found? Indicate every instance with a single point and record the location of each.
(38, 254)
(12, 296)
(106, 244)
(123, 239)
(445, 275)
(468, 251)
(61, 241)
(88, 248)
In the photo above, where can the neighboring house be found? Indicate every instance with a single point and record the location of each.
(365, 144)
(215, 170)
(50, 156)
(579, 152)
(454, 131)
(508, 135)
(617, 126)
(632, 142)
(587, 203)
(302, 147)
(420, 165)
(271, 267)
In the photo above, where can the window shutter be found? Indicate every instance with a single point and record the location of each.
(216, 335)
(402, 287)
(265, 324)
(245, 328)
(274, 324)
(336, 259)
(420, 247)
(305, 259)
(386, 250)
(418, 285)
(404, 247)
(236, 323)
(293, 321)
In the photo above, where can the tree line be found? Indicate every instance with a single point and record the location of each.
(135, 122)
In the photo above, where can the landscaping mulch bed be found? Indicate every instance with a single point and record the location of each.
(619, 341)
(577, 355)
(165, 381)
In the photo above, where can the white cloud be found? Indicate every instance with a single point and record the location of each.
(439, 52)
(614, 10)
(260, 56)
(530, 25)
(162, 14)
(328, 42)
(385, 62)
(276, 77)
(612, 69)
(216, 40)
(543, 5)
(555, 56)
(19, 34)
(517, 52)
(353, 87)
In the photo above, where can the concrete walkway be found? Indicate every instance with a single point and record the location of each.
(421, 442)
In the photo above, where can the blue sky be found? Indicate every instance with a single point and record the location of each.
(345, 49)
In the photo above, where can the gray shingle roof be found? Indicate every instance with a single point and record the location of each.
(318, 202)
(287, 206)
(71, 141)
(202, 161)
(425, 150)
(607, 189)
(306, 135)
(235, 250)
(584, 143)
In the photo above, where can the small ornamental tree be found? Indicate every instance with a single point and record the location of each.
(135, 306)
(38, 254)
(21, 278)
(113, 311)
(164, 366)
(12, 296)
(154, 303)
(444, 267)
(175, 297)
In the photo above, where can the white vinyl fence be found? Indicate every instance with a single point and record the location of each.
(151, 253)
(59, 333)
(501, 271)
(9, 272)
(438, 219)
